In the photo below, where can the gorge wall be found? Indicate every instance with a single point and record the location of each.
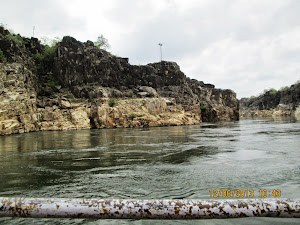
(285, 102)
(76, 85)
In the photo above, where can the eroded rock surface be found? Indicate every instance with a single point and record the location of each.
(284, 102)
(80, 87)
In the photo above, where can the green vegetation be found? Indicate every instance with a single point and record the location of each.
(272, 91)
(202, 107)
(284, 88)
(129, 80)
(112, 103)
(251, 98)
(52, 84)
(140, 115)
(37, 57)
(132, 116)
(102, 43)
(70, 96)
(49, 53)
(16, 38)
(2, 56)
(47, 57)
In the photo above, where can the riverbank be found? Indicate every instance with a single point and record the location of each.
(75, 85)
(273, 103)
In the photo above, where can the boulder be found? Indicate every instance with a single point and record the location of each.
(151, 92)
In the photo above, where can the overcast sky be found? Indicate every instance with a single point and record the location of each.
(243, 45)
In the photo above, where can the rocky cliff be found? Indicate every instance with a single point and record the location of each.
(76, 85)
(285, 102)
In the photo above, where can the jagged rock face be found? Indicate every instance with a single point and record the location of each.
(221, 104)
(20, 48)
(75, 92)
(83, 68)
(82, 63)
(79, 63)
(281, 103)
(265, 101)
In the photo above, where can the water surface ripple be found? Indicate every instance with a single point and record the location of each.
(183, 162)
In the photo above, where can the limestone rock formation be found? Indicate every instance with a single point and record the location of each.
(75, 85)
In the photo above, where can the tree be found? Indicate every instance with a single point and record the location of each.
(102, 42)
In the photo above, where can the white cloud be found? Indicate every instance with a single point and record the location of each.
(243, 45)
(248, 67)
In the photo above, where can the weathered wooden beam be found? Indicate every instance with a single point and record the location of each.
(147, 209)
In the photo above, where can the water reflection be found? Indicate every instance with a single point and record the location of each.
(38, 141)
(40, 159)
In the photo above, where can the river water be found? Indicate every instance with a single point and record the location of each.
(183, 162)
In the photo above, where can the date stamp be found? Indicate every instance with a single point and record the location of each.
(244, 193)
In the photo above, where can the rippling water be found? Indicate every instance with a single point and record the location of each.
(152, 163)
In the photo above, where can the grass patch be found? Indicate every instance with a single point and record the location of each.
(16, 38)
(284, 88)
(202, 106)
(132, 116)
(52, 84)
(112, 103)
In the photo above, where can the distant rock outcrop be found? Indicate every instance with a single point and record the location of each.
(285, 102)
(75, 85)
